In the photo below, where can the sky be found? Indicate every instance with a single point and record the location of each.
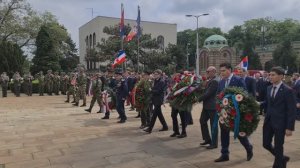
(222, 13)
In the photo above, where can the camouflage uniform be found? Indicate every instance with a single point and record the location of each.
(41, 79)
(49, 82)
(17, 83)
(28, 84)
(56, 83)
(4, 80)
(64, 78)
(72, 87)
(97, 93)
(81, 91)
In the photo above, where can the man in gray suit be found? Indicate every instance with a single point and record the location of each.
(209, 108)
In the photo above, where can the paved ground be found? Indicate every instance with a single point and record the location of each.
(45, 132)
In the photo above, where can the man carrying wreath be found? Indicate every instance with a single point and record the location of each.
(231, 80)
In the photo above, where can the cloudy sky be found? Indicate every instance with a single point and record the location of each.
(223, 13)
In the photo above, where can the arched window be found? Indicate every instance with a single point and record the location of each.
(161, 42)
(94, 40)
(87, 41)
(91, 40)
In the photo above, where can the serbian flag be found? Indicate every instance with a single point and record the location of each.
(120, 58)
(244, 63)
(122, 28)
(131, 34)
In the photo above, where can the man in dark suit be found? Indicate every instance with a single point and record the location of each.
(249, 81)
(261, 90)
(157, 100)
(121, 94)
(228, 79)
(209, 108)
(296, 88)
(280, 117)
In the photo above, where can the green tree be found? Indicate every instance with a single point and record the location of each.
(70, 59)
(285, 56)
(11, 57)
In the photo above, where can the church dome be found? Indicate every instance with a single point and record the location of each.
(215, 41)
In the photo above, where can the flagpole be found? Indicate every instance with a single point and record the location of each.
(122, 33)
(138, 55)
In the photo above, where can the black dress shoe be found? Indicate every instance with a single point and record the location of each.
(142, 126)
(212, 147)
(148, 130)
(83, 105)
(121, 121)
(88, 110)
(73, 101)
(138, 116)
(286, 158)
(182, 136)
(67, 101)
(249, 155)
(76, 104)
(174, 134)
(105, 118)
(222, 158)
(163, 129)
(205, 143)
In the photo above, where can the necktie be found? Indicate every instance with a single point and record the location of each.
(273, 92)
(226, 83)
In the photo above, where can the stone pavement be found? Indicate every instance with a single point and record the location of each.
(45, 132)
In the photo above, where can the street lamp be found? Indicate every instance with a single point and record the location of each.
(197, 52)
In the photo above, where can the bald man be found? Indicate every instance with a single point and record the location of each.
(209, 108)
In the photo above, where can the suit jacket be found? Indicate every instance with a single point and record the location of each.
(281, 110)
(158, 92)
(235, 81)
(296, 89)
(209, 96)
(250, 85)
(261, 88)
(122, 89)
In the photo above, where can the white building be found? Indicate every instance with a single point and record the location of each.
(92, 32)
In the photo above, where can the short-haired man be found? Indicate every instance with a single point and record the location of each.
(230, 80)
(280, 116)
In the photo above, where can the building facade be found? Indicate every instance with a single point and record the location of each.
(91, 33)
(216, 51)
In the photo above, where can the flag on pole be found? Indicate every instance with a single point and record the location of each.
(120, 58)
(136, 30)
(244, 63)
(122, 28)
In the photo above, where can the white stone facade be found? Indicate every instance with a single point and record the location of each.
(92, 32)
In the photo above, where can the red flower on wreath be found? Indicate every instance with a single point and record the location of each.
(221, 95)
(249, 117)
(233, 112)
(231, 124)
(218, 107)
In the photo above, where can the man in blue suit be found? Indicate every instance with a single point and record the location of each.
(121, 94)
(280, 117)
(229, 80)
(249, 81)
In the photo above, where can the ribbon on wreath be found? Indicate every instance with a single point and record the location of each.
(236, 119)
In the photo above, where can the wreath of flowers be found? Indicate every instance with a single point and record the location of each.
(142, 94)
(185, 93)
(237, 111)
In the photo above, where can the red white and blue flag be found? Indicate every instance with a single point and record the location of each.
(136, 30)
(244, 63)
(120, 58)
(122, 28)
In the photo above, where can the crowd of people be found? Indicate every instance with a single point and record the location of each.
(146, 92)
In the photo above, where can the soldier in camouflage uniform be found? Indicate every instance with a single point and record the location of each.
(72, 87)
(17, 79)
(28, 84)
(97, 91)
(64, 78)
(56, 83)
(49, 82)
(81, 82)
(41, 79)
(4, 80)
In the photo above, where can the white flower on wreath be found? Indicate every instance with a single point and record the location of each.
(224, 113)
(225, 101)
(239, 97)
(221, 120)
(242, 134)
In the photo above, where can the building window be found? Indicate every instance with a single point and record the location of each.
(91, 40)
(161, 42)
(94, 40)
(87, 41)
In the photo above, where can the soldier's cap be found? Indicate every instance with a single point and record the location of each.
(158, 71)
